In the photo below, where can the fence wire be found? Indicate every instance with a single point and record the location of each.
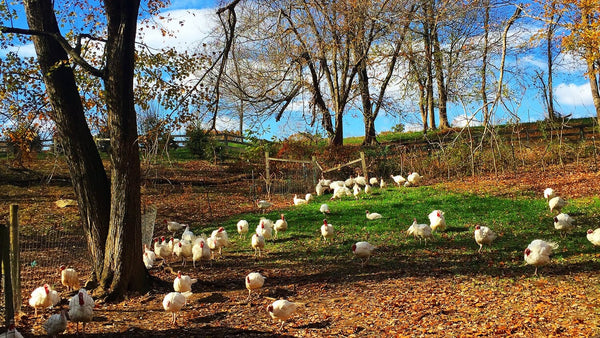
(293, 178)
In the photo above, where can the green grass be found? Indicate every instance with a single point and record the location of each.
(517, 221)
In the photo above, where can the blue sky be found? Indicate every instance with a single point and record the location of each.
(571, 87)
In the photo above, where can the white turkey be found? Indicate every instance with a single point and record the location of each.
(557, 203)
(549, 193)
(200, 251)
(349, 182)
(258, 244)
(174, 302)
(81, 309)
(360, 180)
(183, 249)
(414, 178)
(263, 205)
(327, 230)
(382, 184)
(308, 197)
(420, 231)
(398, 179)
(56, 324)
(183, 283)
(265, 228)
(356, 190)
(221, 239)
(368, 189)
(298, 200)
(324, 209)
(319, 189)
(363, 250)
(69, 278)
(12, 331)
(43, 297)
(437, 221)
(173, 226)
(563, 223)
(242, 227)
(281, 225)
(538, 253)
(483, 235)
(282, 310)
(594, 236)
(373, 181)
(373, 215)
(254, 281)
(340, 192)
(188, 235)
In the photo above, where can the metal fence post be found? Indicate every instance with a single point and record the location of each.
(15, 258)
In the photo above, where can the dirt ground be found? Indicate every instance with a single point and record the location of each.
(341, 300)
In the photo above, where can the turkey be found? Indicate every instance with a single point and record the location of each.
(149, 257)
(363, 250)
(340, 192)
(336, 184)
(12, 331)
(161, 250)
(414, 178)
(324, 209)
(81, 309)
(43, 297)
(242, 227)
(183, 283)
(421, 231)
(258, 244)
(382, 183)
(483, 235)
(349, 182)
(282, 310)
(254, 281)
(368, 189)
(308, 197)
(398, 179)
(594, 236)
(373, 181)
(173, 226)
(221, 239)
(299, 201)
(200, 251)
(69, 278)
(556, 204)
(174, 302)
(183, 249)
(281, 225)
(263, 205)
(538, 253)
(327, 230)
(373, 215)
(188, 235)
(437, 221)
(563, 223)
(56, 324)
(549, 193)
(319, 189)
(265, 228)
(360, 180)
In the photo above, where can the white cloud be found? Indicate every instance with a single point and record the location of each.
(573, 95)
(27, 50)
(189, 27)
(410, 127)
(462, 121)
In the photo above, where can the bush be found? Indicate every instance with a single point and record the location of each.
(199, 143)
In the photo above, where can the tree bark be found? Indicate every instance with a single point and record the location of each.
(88, 176)
(438, 62)
(486, 46)
(123, 265)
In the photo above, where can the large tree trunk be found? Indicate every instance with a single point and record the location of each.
(593, 74)
(87, 173)
(438, 62)
(124, 269)
(337, 138)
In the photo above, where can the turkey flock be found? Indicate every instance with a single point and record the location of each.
(202, 249)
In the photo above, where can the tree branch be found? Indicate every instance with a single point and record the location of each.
(72, 52)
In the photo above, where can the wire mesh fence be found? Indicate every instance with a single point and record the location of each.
(42, 251)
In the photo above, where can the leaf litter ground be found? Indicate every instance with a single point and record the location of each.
(412, 296)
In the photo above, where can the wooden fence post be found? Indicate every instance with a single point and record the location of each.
(364, 165)
(15, 259)
(9, 313)
(267, 175)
